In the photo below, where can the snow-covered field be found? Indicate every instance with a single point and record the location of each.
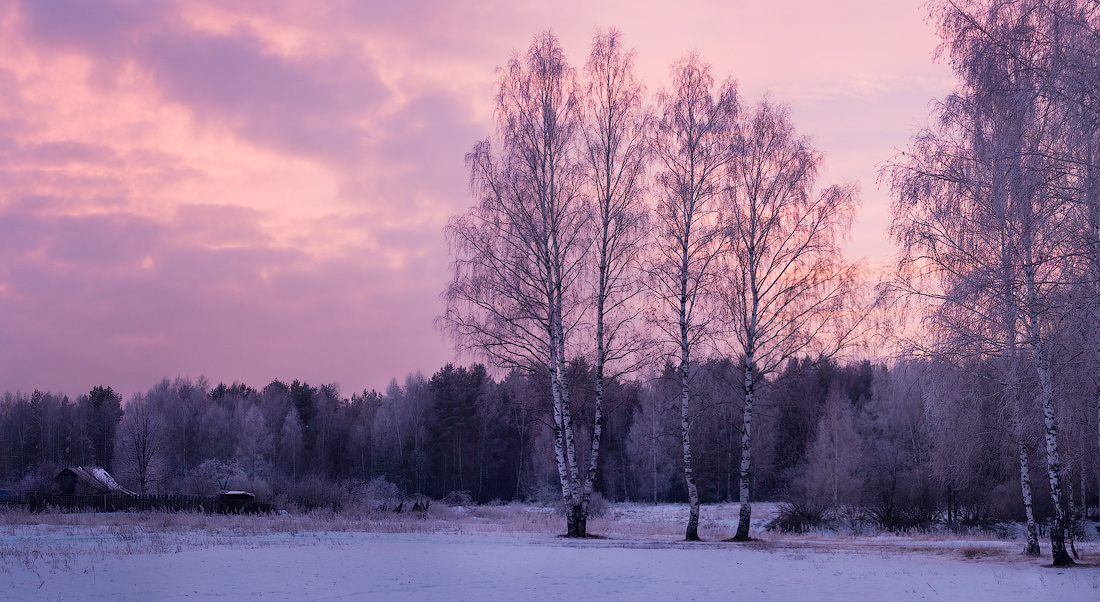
(503, 553)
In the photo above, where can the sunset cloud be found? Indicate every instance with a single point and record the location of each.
(250, 190)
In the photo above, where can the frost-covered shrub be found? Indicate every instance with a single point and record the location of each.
(260, 488)
(797, 518)
(41, 479)
(281, 502)
(597, 504)
(417, 502)
(904, 514)
(379, 494)
(314, 492)
(213, 476)
(458, 498)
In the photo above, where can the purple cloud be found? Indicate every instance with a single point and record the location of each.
(256, 189)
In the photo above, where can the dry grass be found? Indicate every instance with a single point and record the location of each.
(977, 552)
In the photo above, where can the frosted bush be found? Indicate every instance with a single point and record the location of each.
(380, 494)
(458, 498)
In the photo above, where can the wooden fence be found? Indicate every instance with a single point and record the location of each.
(120, 502)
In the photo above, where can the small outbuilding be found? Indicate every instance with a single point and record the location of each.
(88, 480)
(241, 502)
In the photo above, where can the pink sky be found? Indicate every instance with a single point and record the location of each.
(255, 189)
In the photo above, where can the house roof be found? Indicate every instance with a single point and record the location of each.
(97, 478)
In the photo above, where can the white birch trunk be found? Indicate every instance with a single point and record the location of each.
(594, 451)
(746, 455)
(653, 454)
(1046, 392)
(1093, 203)
(694, 142)
(1011, 390)
(692, 532)
(567, 459)
(559, 441)
(616, 142)
(561, 423)
(577, 521)
(1032, 548)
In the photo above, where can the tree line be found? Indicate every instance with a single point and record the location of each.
(912, 446)
(460, 432)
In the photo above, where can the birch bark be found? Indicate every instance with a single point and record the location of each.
(617, 150)
(1050, 423)
(1012, 400)
(786, 287)
(983, 199)
(693, 145)
(516, 293)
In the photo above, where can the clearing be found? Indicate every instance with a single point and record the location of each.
(504, 553)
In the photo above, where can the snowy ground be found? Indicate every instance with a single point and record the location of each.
(509, 553)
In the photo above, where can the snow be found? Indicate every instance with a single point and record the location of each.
(104, 477)
(451, 557)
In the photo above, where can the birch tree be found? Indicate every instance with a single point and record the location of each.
(515, 297)
(1080, 79)
(785, 282)
(616, 150)
(694, 144)
(957, 254)
(979, 211)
